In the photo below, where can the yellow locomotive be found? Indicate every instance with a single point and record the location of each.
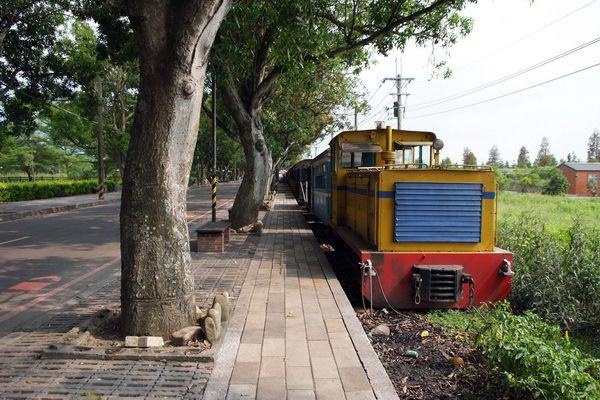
(422, 232)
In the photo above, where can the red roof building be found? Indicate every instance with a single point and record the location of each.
(584, 178)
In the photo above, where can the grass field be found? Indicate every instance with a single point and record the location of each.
(557, 212)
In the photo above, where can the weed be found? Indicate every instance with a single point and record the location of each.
(535, 357)
(557, 274)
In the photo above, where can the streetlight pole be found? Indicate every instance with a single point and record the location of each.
(214, 132)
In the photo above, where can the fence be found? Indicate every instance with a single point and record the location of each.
(36, 178)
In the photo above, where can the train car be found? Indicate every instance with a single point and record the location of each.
(424, 234)
(320, 186)
(298, 178)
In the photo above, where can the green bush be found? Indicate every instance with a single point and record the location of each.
(47, 189)
(557, 274)
(534, 357)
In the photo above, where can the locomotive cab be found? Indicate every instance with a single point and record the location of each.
(422, 231)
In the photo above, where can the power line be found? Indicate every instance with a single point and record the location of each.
(526, 36)
(432, 103)
(381, 113)
(374, 108)
(507, 94)
(375, 92)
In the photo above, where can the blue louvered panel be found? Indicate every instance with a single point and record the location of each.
(437, 212)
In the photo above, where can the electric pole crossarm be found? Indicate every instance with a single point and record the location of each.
(399, 86)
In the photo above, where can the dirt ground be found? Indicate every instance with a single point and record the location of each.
(104, 330)
(422, 360)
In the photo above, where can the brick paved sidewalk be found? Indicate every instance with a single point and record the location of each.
(294, 333)
(24, 376)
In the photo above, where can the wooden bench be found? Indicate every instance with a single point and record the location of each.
(212, 236)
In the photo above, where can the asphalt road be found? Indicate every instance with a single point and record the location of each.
(46, 261)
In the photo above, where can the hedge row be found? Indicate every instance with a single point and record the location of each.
(46, 189)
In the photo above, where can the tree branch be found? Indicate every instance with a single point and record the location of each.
(221, 124)
(388, 28)
(265, 87)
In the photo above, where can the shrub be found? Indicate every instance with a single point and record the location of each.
(47, 189)
(534, 357)
(557, 275)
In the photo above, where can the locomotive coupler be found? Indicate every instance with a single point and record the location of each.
(468, 278)
(506, 268)
(367, 268)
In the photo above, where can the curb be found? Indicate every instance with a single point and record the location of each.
(53, 210)
(79, 352)
(379, 378)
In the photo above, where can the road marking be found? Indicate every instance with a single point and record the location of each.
(66, 285)
(52, 278)
(15, 240)
(59, 289)
(29, 286)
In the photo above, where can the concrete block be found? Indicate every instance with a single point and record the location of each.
(132, 341)
(151, 341)
(184, 335)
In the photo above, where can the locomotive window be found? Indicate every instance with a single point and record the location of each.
(367, 160)
(346, 160)
(413, 155)
(357, 159)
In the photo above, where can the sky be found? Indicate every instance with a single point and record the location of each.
(508, 36)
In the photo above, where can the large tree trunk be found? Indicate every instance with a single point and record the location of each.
(173, 39)
(246, 113)
(255, 184)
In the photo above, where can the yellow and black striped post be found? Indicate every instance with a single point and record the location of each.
(214, 199)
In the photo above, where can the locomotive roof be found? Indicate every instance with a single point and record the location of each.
(431, 135)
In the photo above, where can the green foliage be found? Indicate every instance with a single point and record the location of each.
(469, 157)
(535, 358)
(547, 180)
(556, 181)
(544, 157)
(494, 157)
(30, 155)
(556, 274)
(29, 70)
(523, 158)
(593, 153)
(48, 189)
(502, 180)
(302, 109)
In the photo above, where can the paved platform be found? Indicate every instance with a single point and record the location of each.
(294, 333)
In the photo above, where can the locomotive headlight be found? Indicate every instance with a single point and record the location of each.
(438, 144)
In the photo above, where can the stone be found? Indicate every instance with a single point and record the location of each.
(151, 341)
(215, 313)
(258, 228)
(381, 330)
(210, 330)
(201, 313)
(223, 300)
(184, 335)
(132, 341)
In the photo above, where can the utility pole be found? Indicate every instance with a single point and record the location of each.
(355, 118)
(101, 173)
(400, 85)
(214, 132)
